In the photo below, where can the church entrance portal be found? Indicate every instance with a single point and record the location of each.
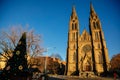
(88, 68)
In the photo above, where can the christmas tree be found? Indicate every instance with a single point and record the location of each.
(17, 64)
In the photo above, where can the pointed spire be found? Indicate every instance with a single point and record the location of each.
(73, 9)
(92, 9)
(73, 15)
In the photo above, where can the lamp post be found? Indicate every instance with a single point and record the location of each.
(46, 57)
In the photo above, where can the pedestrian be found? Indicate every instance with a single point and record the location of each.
(115, 75)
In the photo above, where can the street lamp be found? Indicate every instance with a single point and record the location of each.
(46, 57)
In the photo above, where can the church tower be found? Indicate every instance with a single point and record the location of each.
(87, 53)
(100, 51)
(72, 44)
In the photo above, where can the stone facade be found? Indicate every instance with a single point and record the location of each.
(86, 52)
(2, 62)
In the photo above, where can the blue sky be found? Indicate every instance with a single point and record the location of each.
(50, 19)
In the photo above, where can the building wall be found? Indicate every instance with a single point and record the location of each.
(2, 62)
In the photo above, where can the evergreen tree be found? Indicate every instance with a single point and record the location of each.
(17, 64)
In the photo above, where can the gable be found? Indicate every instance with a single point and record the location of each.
(85, 36)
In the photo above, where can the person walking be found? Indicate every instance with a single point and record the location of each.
(115, 75)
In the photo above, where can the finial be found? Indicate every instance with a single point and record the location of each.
(91, 8)
(73, 8)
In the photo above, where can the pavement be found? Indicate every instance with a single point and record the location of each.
(60, 77)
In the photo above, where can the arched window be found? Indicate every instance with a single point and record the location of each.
(76, 35)
(74, 56)
(73, 36)
(74, 46)
(98, 25)
(100, 58)
(98, 46)
(94, 24)
(87, 66)
(73, 26)
(96, 36)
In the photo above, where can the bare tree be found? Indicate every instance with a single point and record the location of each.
(9, 40)
(115, 62)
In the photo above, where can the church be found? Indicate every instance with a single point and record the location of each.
(87, 53)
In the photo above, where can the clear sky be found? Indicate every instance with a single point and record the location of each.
(50, 19)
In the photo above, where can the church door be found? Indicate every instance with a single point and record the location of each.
(88, 68)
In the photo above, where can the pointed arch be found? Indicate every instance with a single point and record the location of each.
(73, 36)
(98, 25)
(94, 25)
(74, 46)
(96, 36)
(88, 66)
(73, 26)
(98, 46)
(100, 58)
(74, 56)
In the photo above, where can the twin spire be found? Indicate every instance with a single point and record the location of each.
(74, 14)
(92, 11)
(73, 10)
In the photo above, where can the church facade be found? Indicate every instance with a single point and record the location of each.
(86, 52)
